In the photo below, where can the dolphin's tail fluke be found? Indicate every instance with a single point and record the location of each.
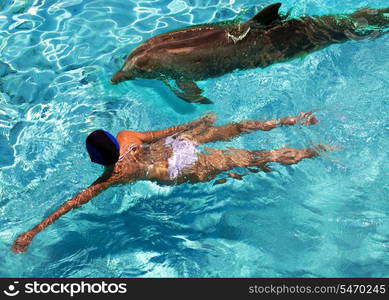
(369, 21)
(373, 17)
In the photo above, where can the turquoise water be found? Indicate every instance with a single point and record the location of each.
(327, 216)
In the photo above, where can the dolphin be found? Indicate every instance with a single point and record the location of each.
(180, 58)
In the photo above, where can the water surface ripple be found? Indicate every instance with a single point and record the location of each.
(324, 217)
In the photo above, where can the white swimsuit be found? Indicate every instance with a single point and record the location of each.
(184, 154)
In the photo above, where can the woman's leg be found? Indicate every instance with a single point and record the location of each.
(215, 161)
(227, 132)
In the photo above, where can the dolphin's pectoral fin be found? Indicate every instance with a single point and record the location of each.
(190, 92)
(267, 15)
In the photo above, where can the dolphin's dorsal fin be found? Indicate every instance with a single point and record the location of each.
(267, 15)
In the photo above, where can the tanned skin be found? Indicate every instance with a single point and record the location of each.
(144, 156)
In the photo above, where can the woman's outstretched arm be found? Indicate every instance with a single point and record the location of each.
(150, 136)
(23, 240)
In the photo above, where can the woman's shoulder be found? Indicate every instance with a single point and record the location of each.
(126, 137)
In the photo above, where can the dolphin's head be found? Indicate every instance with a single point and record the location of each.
(121, 76)
(138, 65)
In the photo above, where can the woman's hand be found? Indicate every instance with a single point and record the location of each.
(304, 118)
(22, 242)
(208, 119)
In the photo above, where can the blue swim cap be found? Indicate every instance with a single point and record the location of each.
(103, 148)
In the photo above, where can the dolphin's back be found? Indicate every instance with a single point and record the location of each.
(197, 38)
(194, 38)
(306, 34)
(195, 50)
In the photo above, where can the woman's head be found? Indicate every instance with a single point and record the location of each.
(103, 148)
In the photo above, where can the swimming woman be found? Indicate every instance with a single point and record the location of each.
(172, 156)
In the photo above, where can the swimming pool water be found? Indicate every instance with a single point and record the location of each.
(327, 216)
